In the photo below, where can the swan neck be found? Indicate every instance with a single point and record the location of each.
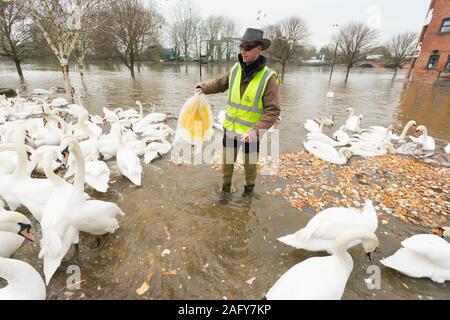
(405, 130)
(21, 169)
(51, 176)
(94, 152)
(342, 242)
(80, 169)
(425, 133)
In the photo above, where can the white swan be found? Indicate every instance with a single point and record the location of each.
(156, 150)
(58, 234)
(127, 161)
(30, 192)
(322, 278)
(373, 137)
(426, 140)
(24, 282)
(14, 229)
(368, 150)
(162, 133)
(341, 135)
(447, 149)
(44, 91)
(328, 153)
(154, 117)
(110, 116)
(318, 136)
(67, 212)
(93, 216)
(423, 255)
(402, 136)
(312, 126)
(327, 225)
(97, 172)
(326, 121)
(353, 122)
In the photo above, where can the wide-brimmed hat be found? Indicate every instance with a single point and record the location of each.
(252, 34)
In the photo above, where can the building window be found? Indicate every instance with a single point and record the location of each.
(432, 63)
(447, 66)
(445, 25)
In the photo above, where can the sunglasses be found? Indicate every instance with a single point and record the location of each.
(248, 47)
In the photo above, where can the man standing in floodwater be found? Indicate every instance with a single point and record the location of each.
(253, 106)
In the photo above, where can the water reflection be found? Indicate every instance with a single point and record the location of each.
(428, 105)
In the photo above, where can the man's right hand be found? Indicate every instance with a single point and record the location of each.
(198, 90)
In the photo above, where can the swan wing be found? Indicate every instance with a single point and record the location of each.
(311, 126)
(415, 265)
(315, 278)
(97, 217)
(431, 247)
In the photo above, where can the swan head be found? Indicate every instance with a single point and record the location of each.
(64, 151)
(370, 245)
(420, 128)
(16, 223)
(411, 123)
(350, 109)
(347, 152)
(389, 146)
(442, 232)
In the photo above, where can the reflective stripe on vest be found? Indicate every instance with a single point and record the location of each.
(244, 112)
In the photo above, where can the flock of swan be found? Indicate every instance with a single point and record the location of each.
(36, 137)
(335, 230)
(371, 142)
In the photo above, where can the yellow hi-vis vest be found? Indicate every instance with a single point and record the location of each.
(244, 112)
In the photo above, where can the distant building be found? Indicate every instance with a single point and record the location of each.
(375, 57)
(432, 59)
(169, 55)
(315, 60)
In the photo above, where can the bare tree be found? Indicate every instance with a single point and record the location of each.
(60, 21)
(400, 48)
(229, 31)
(212, 29)
(186, 23)
(15, 32)
(289, 39)
(134, 28)
(175, 41)
(93, 19)
(355, 41)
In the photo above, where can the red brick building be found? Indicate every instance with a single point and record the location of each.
(433, 60)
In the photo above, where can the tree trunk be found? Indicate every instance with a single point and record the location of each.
(19, 69)
(67, 85)
(395, 73)
(80, 66)
(348, 72)
(132, 65)
(283, 68)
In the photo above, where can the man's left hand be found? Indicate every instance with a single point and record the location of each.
(249, 137)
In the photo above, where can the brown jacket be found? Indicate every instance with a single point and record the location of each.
(271, 97)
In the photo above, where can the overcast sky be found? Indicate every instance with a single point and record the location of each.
(388, 16)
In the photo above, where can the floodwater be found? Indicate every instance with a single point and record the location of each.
(227, 251)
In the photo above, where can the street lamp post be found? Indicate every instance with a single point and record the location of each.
(330, 94)
(200, 57)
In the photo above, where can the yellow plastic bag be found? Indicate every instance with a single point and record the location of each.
(195, 120)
